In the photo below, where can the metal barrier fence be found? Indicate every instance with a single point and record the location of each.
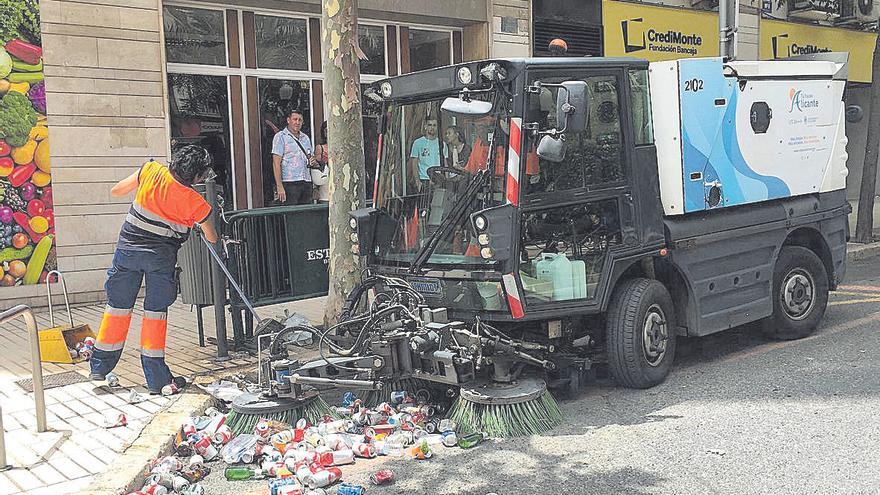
(278, 254)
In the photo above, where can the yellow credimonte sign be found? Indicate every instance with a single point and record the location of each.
(658, 33)
(787, 39)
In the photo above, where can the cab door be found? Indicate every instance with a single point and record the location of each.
(576, 213)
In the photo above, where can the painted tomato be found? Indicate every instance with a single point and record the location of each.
(36, 207)
(19, 240)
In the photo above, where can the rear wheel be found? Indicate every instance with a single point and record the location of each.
(640, 333)
(800, 294)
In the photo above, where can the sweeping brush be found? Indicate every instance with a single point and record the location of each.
(248, 409)
(503, 410)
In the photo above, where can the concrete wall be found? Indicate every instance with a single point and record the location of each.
(510, 42)
(106, 108)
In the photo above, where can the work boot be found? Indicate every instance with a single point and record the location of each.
(177, 384)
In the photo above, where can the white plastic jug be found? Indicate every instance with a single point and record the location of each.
(560, 273)
(542, 266)
(579, 278)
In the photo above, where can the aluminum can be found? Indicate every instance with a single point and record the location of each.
(447, 425)
(398, 397)
(303, 423)
(194, 489)
(382, 476)
(164, 479)
(155, 490)
(223, 435)
(450, 439)
(205, 448)
(180, 484)
(324, 478)
(346, 489)
(365, 450)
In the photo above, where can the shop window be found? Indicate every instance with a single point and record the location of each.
(372, 42)
(429, 49)
(199, 112)
(564, 249)
(282, 43)
(194, 36)
(277, 98)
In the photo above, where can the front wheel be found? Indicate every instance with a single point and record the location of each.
(640, 333)
(800, 294)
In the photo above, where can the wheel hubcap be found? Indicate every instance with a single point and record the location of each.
(655, 336)
(797, 294)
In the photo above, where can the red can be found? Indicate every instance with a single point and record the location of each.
(381, 477)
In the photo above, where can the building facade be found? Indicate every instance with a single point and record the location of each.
(129, 80)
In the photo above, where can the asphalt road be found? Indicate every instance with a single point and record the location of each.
(739, 414)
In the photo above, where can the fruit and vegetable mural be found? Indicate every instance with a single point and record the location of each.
(27, 222)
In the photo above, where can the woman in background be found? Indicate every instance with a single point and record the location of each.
(322, 154)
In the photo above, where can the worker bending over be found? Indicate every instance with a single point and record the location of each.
(164, 210)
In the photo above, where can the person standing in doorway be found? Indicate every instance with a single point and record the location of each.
(321, 176)
(292, 155)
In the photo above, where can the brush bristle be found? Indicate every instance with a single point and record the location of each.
(314, 411)
(507, 420)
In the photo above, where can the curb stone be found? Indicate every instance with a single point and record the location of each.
(860, 252)
(130, 468)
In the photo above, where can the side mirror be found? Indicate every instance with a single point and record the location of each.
(854, 114)
(476, 108)
(552, 148)
(572, 106)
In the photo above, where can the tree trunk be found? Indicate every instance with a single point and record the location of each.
(340, 55)
(865, 218)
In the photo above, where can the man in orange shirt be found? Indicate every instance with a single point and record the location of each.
(164, 210)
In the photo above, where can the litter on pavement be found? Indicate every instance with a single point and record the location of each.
(304, 458)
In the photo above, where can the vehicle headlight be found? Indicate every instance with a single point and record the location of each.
(353, 223)
(480, 222)
(464, 75)
(483, 239)
(385, 88)
(486, 253)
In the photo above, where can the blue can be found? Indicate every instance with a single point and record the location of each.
(348, 399)
(275, 484)
(346, 489)
(398, 396)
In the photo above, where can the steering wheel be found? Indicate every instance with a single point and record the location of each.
(443, 175)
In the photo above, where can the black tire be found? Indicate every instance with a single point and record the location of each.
(800, 294)
(634, 302)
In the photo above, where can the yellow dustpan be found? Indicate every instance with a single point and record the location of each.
(57, 342)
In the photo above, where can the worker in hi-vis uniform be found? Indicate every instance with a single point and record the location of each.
(164, 210)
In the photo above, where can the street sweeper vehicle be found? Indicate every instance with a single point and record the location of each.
(535, 220)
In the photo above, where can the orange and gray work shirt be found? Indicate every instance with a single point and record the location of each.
(162, 214)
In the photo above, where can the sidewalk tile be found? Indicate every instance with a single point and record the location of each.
(7, 487)
(67, 466)
(48, 474)
(24, 479)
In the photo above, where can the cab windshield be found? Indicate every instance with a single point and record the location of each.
(429, 158)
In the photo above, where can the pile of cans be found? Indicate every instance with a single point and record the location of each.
(197, 441)
(83, 349)
(303, 458)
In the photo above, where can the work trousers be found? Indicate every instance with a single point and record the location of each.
(124, 279)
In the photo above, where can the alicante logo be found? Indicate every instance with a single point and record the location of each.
(801, 100)
(780, 50)
(636, 38)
